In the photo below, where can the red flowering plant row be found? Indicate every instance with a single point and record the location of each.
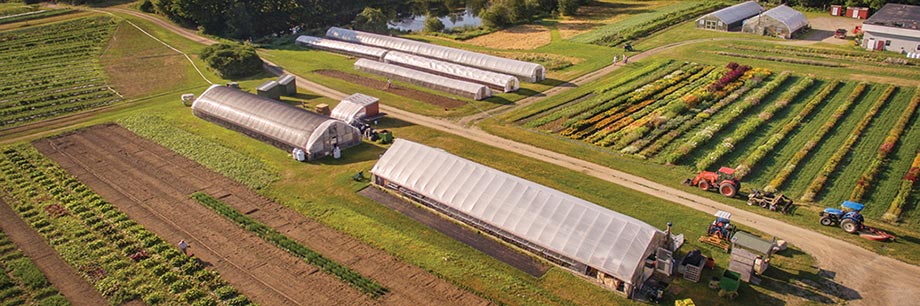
(907, 185)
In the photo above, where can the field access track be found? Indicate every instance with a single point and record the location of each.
(151, 184)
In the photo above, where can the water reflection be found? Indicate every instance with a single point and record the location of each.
(416, 23)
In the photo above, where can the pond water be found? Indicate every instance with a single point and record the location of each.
(416, 23)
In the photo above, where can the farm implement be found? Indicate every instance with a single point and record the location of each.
(770, 200)
(851, 221)
(723, 181)
(720, 232)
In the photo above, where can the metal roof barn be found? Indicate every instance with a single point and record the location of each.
(458, 87)
(355, 107)
(279, 124)
(504, 82)
(780, 21)
(565, 229)
(530, 72)
(342, 47)
(729, 18)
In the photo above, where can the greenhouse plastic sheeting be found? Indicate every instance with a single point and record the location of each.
(526, 71)
(353, 107)
(342, 47)
(737, 12)
(506, 82)
(792, 19)
(611, 242)
(421, 78)
(275, 120)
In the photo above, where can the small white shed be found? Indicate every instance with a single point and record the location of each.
(355, 107)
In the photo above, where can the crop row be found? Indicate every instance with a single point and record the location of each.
(829, 125)
(246, 169)
(868, 176)
(750, 126)
(872, 57)
(643, 121)
(609, 92)
(716, 125)
(647, 23)
(119, 257)
(21, 282)
(36, 15)
(644, 95)
(54, 70)
(366, 285)
(652, 144)
(781, 59)
(831, 165)
(904, 190)
(745, 167)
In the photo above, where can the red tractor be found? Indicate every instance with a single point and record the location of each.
(724, 181)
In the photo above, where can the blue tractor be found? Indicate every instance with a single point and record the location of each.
(849, 217)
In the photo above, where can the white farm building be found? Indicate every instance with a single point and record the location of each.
(274, 122)
(568, 231)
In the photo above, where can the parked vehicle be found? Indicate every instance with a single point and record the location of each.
(723, 181)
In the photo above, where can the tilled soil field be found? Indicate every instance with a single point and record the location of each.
(437, 100)
(152, 184)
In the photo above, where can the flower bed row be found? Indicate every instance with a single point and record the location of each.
(874, 57)
(366, 285)
(828, 125)
(98, 240)
(745, 129)
(639, 119)
(907, 185)
(652, 91)
(831, 165)
(745, 167)
(714, 86)
(651, 144)
(865, 180)
(781, 59)
(601, 101)
(716, 125)
(21, 282)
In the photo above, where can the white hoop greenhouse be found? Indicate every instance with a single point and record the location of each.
(453, 86)
(274, 122)
(341, 47)
(569, 231)
(504, 82)
(526, 71)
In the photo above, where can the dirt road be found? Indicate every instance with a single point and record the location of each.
(872, 278)
(151, 184)
(63, 277)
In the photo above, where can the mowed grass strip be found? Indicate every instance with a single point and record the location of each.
(349, 276)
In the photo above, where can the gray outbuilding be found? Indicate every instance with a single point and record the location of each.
(274, 122)
(781, 21)
(729, 18)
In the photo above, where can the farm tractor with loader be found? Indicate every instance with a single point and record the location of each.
(720, 232)
(851, 221)
(723, 181)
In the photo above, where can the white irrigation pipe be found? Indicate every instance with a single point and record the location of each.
(165, 44)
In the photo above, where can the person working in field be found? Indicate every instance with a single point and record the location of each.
(183, 246)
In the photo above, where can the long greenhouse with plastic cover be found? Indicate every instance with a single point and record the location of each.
(504, 82)
(530, 72)
(341, 47)
(274, 122)
(458, 87)
(566, 230)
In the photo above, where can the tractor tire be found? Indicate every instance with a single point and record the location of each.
(704, 185)
(728, 190)
(849, 226)
(826, 221)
